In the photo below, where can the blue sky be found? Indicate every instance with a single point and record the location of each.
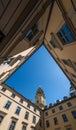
(40, 70)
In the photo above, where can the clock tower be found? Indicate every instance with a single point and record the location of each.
(40, 98)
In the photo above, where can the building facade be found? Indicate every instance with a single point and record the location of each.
(30, 24)
(17, 112)
(24, 27)
(61, 116)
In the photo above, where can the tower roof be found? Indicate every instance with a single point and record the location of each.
(40, 91)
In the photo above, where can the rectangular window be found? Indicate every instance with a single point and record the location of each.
(35, 109)
(1, 36)
(69, 104)
(74, 114)
(46, 113)
(8, 104)
(12, 125)
(53, 110)
(21, 100)
(28, 105)
(40, 122)
(47, 123)
(13, 95)
(34, 119)
(24, 127)
(27, 115)
(65, 119)
(60, 108)
(32, 32)
(3, 89)
(53, 43)
(18, 110)
(65, 35)
(55, 121)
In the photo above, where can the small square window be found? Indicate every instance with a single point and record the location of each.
(3, 89)
(69, 104)
(21, 100)
(53, 110)
(60, 108)
(28, 105)
(46, 113)
(13, 95)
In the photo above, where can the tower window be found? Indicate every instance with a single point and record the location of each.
(12, 125)
(47, 123)
(18, 110)
(65, 35)
(8, 104)
(65, 119)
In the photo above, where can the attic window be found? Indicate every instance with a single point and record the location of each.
(1, 36)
